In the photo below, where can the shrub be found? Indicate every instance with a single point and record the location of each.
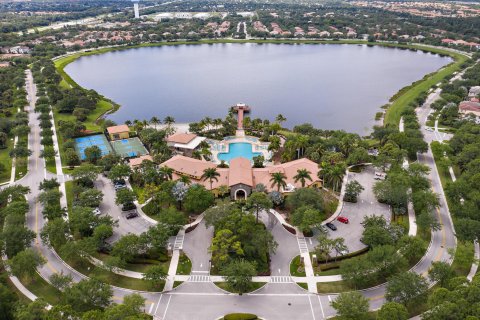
(240, 316)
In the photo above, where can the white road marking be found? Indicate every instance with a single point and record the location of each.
(201, 265)
(158, 303)
(311, 307)
(279, 271)
(310, 239)
(151, 308)
(168, 303)
(329, 298)
(321, 307)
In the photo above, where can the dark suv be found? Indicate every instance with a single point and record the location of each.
(331, 226)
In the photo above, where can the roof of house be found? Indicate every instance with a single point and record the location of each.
(118, 129)
(182, 138)
(240, 172)
(469, 106)
(138, 161)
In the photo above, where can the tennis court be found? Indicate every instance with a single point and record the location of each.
(127, 148)
(98, 140)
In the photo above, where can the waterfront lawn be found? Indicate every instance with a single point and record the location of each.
(407, 95)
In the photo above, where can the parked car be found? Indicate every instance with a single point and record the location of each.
(380, 176)
(119, 186)
(331, 226)
(128, 206)
(343, 219)
(132, 214)
(96, 211)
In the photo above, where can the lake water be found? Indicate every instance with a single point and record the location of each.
(331, 86)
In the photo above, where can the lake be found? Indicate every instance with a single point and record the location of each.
(332, 86)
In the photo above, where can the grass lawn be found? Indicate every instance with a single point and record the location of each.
(254, 286)
(333, 287)
(296, 269)
(51, 167)
(6, 161)
(141, 265)
(139, 192)
(304, 285)
(184, 265)
(69, 191)
(21, 165)
(43, 289)
(111, 278)
(177, 283)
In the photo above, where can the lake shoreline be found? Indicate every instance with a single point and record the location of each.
(400, 99)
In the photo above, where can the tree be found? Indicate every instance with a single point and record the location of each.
(49, 184)
(93, 154)
(238, 275)
(86, 172)
(305, 197)
(278, 179)
(155, 121)
(25, 263)
(20, 151)
(48, 152)
(259, 201)
(89, 198)
(71, 157)
(406, 287)
(302, 175)
(32, 311)
(198, 199)
(223, 245)
(120, 171)
(166, 173)
(16, 236)
(127, 247)
(3, 140)
(352, 191)
(60, 281)
(351, 306)
(173, 218)
(53, 233)
(339, 246)
(8, 300)
(392, 311)
(125, 196)
(210, 174)
(156, 237)
(155, 276)
(88, 294)
(276, 197)
(440, 272)
(412, 248)
(306, 217)
(325, 245)
(131, 309)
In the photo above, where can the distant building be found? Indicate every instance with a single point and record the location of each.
(118, 132)
(184, 143)
(240, 177)
(474, 92)
(469, 107)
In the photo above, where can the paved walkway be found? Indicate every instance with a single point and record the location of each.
(474, 268)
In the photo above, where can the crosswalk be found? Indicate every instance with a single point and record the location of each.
(178, 245)
(302, 244)
(199, 278)
(281, 279)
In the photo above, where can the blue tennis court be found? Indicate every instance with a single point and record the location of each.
(98, 140)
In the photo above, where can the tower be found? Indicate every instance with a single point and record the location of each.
(135, 9)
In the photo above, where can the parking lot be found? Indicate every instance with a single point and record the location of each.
(355, 212)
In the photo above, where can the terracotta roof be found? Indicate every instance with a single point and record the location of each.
(118, 129)
(183, 138)
(188, 166)
(470, 106)
(138, 161)
(240, 172)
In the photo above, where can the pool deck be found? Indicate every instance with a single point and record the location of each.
(223, 146)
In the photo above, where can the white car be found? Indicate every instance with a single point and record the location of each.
(97, 211)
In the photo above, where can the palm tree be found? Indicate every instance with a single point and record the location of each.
(169, 120)
(301, 144)
(145, 122)
(280, 118)
(210, 174)
(155, 121)
(185, 179)
(128, 123)
(166, 172)
(278, 179)
(302, 175)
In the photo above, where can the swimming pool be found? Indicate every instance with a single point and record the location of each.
(238, 149)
